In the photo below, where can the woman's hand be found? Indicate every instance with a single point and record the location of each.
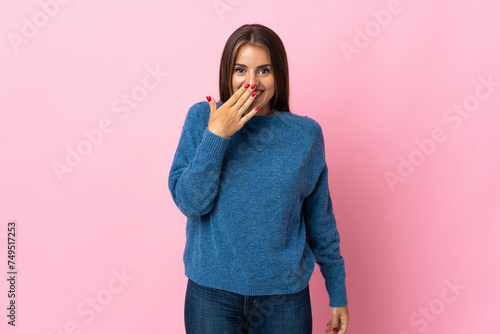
(340, 319)
(227, 120)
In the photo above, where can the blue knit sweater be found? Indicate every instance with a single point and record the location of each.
(258, 206)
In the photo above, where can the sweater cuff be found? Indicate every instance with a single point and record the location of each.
(212, 146)
(338, 297)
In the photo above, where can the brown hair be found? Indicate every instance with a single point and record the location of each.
(256, 35)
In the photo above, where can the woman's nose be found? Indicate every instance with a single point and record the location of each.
(252, 78)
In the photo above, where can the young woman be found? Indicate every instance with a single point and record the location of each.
(252, 180)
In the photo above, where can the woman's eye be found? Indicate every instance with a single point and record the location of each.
(237, 69)
(266, 70)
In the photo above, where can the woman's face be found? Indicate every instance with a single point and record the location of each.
(252, 65)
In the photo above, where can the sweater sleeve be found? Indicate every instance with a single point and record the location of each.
(195, 172)
(321, 231)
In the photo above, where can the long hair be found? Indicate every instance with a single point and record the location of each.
(256, 35)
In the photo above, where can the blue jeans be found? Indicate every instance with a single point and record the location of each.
(213, 311)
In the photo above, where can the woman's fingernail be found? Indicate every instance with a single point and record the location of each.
(253, 86)
(209, 98)
(247, 85)
(335, 329)
(256, 108)
(253, 94)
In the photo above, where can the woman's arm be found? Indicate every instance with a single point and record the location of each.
(195, 173)
(321, 228)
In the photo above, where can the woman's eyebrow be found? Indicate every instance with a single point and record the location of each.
(257, 66)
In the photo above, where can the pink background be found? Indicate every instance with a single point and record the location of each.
(385, 106)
